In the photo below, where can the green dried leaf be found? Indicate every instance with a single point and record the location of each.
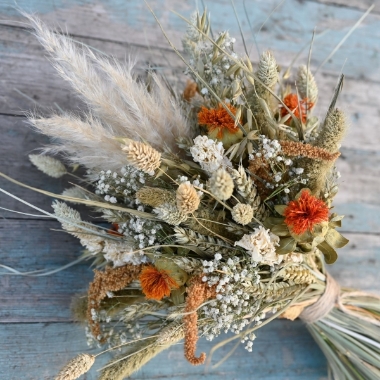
(178, 296)
(280, 209)
(271, 221)
(281, 230)
(335, 239)
(287, 245)
(329, 252)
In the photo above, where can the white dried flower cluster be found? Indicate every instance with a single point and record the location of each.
(262, 246)
(142, 231)
(209, 154)
(271, 151)
(115, 185)
(48, 165)
(213, 65)
(232, 303)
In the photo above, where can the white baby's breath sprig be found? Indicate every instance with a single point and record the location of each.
(48, 165)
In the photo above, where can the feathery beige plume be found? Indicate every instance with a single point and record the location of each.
(221, 184)
(48, 165)
(242, 213)
(187, 198)
(142, 156)
(154, 196)
(307, 87)
(76, 367)
(126, 107)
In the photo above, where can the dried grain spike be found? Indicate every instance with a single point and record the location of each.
(76, 367)
(307, 87)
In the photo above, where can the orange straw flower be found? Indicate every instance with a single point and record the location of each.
(156, 283)
(218, 119)
(292, 102)
(303, 214)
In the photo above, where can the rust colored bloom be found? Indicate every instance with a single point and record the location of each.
(218, 119)
(303, 214)
(156, 283)
(291, 101)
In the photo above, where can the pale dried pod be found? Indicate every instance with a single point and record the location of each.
(187, 198)
(76, 367)
(143, 156)
(221, 184)
(242, 213)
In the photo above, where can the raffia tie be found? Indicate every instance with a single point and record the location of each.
(325, 303)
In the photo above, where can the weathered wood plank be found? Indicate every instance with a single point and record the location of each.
(31, 244)
(284, 350)
(285, 32)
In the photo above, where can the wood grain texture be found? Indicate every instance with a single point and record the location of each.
(120, 28)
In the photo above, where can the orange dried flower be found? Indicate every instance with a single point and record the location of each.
(291, 101)
(303, 214)
(156, 283)
(218, 119)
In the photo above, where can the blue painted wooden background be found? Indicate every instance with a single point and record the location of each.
(37, 334)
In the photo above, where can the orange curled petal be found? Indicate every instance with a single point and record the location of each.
(218, 119)
(156, 284)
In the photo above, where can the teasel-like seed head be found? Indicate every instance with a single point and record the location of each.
(76, 367)
(242, 213)
(154, 196)
(187, 198)
(142, 156)
(267, 70)
(169, 213)
(307, 87)
(221, 184)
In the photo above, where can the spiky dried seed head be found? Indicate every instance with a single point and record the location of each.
(221, 184)
(169, 213)
(143, 156)
(307, 87)
(267, 70)
(154, 196)
(187, 198)
(242, 213)
(76, 367)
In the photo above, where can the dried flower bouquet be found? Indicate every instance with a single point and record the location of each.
(218, 201)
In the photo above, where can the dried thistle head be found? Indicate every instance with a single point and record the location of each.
(221, 184)
(154, 196)
(242, 213)
(187, 198)
(142, 156)
(76, 367)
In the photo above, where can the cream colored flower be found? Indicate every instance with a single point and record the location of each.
(221, 184)
(187, 198)
(242, 213)
(261, 245)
